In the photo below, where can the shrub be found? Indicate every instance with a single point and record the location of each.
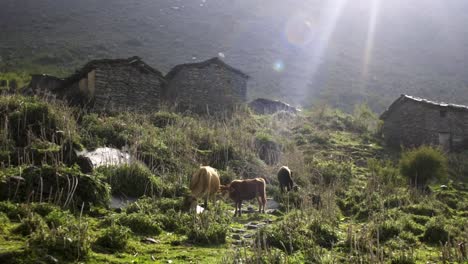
(163, 119)
(133, 180)
(290, 235)
(173, 221)
(435, 231)
(15, 212)
(140, 224)
(58, 218)
(323, 234)
(423, 164)
(70, 240)
(387, 230)
(29, 224)
(209, 228)
(4, 220)
(113, 239)
(82, 188)
(403, 259)
(408, 224)
(330, 172)
(268, 149)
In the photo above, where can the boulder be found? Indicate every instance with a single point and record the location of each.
(264, 106)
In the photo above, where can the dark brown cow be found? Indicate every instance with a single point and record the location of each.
(285, 179)
(240, 190)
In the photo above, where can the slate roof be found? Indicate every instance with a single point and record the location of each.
(203, 64)
(134, 61)
(404, 98)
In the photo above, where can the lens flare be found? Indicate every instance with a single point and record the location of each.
(278, 66)
(374, 12)
(300, 30)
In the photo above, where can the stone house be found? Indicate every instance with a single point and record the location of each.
(43, 85)
(114, 85)
(206, 87)
(264, 106)
(411, 121)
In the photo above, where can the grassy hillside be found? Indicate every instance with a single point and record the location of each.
(353, 206)
(302, 52)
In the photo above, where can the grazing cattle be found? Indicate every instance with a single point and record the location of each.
(285, 179)
(240, 190)
(204, 184)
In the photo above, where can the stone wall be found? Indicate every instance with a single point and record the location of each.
(43, 84)
(120, 88)
(209, 89)
(414, 123)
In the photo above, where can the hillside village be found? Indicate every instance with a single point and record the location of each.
(99, 178)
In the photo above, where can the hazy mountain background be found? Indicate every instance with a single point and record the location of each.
(340, 51)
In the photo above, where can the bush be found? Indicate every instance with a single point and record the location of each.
(4, 220)
(58, 218)
(330, 172)
(423, 164)
(87, 189)
(209, 228)
(403, 259)
(268, 149)
(113, 239)
(408, 224)
(163, 119)
(140, 224)
(435, 231)
(388, 230)
(29, 224)
(134, 180)
(290, 235)
(323, 234)
(70, 240)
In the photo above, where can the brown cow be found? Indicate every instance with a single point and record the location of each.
(204, 184)
(240, 190)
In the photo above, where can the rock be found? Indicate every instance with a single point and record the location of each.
(85, 164)
(264, 106)
(16, 179)
(150, 240)
(250, 235)
(236, 236)
(250, 208)
(273, 212)
(238, 242)
(237, 230)
(51, 259)
(443, 187)
(272, 204)
(251, 227)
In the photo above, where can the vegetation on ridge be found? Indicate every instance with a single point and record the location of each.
(354, 205)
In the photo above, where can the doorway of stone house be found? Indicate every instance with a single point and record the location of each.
(444, 140)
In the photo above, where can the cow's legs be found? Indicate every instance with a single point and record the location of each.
(240, 208)
(236, 204)
(206, 203)
(259, 200)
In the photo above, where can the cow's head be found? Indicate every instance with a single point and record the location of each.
(226, 190)
(190, 203)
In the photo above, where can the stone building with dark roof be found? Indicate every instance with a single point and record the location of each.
(412, 121)
(264, 106)
(206, 87)
(114, 85)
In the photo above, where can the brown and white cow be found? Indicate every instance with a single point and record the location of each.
(204, 184)
(240, 190)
